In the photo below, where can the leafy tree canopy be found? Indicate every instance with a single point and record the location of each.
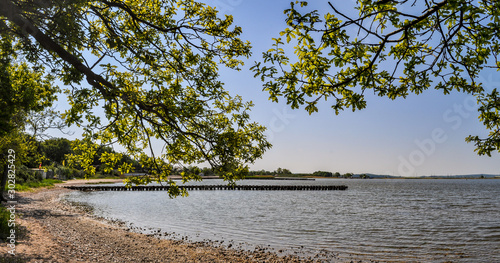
(56, 149)
(22, 91)
(153, 67)
(391, 48)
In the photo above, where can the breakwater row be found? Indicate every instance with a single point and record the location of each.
(212, 187)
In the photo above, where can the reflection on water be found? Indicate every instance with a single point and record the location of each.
(402, 220)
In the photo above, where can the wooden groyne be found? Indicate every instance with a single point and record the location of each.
(212, 187)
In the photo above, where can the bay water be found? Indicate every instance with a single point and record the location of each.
(401, 220)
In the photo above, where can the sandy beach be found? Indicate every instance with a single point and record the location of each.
(54, 231)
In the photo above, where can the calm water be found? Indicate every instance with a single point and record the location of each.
(384, 220)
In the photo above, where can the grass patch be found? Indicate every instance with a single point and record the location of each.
(28, 186)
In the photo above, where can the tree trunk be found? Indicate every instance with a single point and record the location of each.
(5, 175)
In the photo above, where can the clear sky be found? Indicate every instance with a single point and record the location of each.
(420, 135)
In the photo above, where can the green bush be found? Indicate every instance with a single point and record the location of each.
(4, 224)
(25, 175)
(43, 183)
(67, 172)
(75, 173)
(27, 186)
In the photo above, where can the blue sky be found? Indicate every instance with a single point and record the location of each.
(420, 135)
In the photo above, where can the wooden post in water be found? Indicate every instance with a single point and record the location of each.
(213, 188)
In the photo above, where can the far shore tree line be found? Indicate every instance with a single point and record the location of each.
(287, 173)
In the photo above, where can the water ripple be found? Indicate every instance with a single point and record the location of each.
(384, 220)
